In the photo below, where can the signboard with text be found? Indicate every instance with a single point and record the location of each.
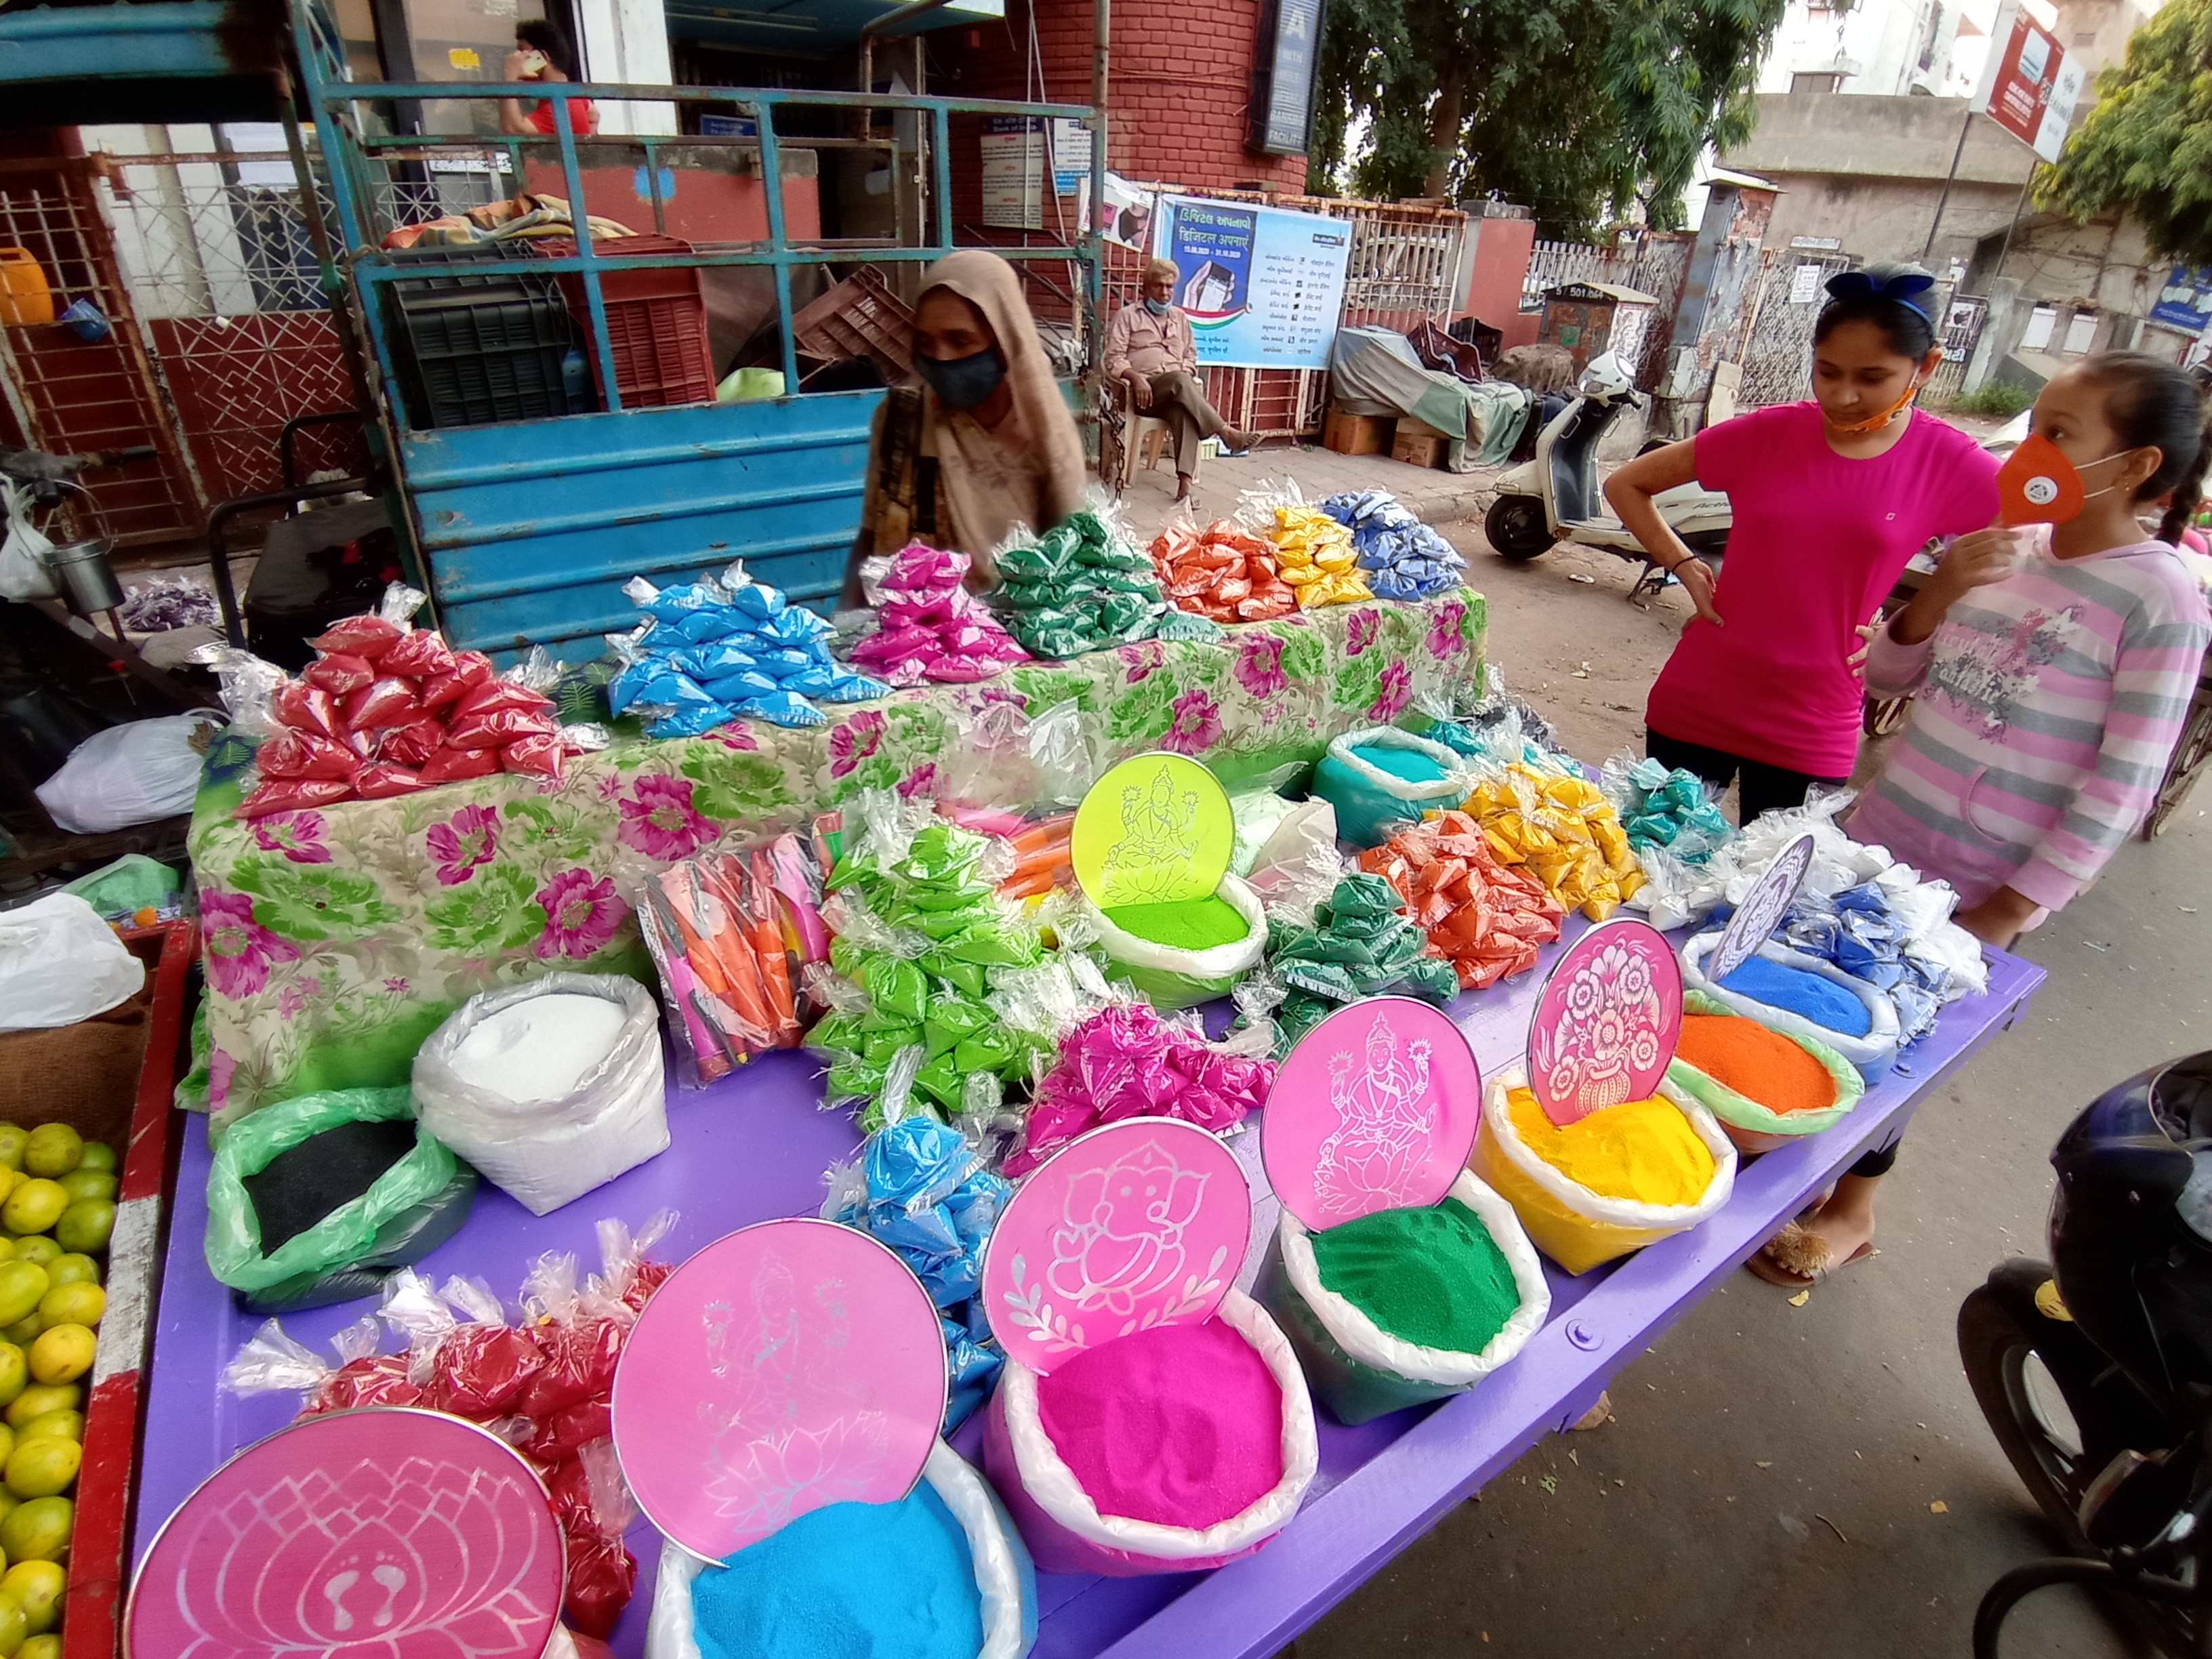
(2185, 301)
(2030, 83)
(1013, 173)
(1282, 75)
(1263, 287)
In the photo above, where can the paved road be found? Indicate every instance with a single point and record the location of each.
(1767, 1484)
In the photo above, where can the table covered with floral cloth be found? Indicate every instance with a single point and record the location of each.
(335, 940)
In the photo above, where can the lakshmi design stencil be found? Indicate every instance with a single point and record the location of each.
(1151, 860)
(1387, 1118)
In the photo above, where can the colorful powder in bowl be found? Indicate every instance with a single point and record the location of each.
(848, 1581)
(1193, 924)
(1761, 1065)
(1406, 765)
(1430, 1275)
(1180, 1424)
(1808, 995)
(1645, 1152)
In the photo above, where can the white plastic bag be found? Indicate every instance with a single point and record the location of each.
(546, 1153)
(999, 1580)
(1873, 1054)
(128, 775)
(1363, 1340)
(24, 572)
(1052, 1486)
(59, 964)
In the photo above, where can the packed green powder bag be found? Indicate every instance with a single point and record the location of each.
(1196, 924)
(1432, 1275)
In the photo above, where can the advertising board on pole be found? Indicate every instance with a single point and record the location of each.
(2030, 83)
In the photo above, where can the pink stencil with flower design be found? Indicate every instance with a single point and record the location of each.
(1376, 1108)
(790, 1365)
(1606, 1021)
(1762, 910)
(1138, 1224)
(362, 1534)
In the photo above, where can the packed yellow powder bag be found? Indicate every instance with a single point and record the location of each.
(1314, 554)
(1643, 1151)
(1562, 830)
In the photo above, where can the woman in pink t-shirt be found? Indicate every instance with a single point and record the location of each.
(1831, 498)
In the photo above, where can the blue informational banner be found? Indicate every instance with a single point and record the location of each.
(1263, 287)
(2185, 302)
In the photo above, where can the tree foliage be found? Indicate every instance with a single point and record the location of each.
(1575, 107)
(2147, 145)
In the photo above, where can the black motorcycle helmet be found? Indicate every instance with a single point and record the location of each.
(2131, 1231)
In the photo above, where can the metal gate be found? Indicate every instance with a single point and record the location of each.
(1778, 351)
(1963, 322)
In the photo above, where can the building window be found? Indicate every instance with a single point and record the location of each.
(2081, 329)
(2040, 322)
(1816, 84)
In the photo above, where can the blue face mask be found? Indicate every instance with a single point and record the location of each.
(963, 382)
(1158, 307)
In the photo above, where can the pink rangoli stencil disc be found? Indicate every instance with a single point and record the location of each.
(362, 1534)
(1140, 1224)
(1376, 1108)
(1606, 1021)
(791, 1365)
(1762, 910)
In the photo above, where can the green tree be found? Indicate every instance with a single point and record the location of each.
(2147, 145)
(1575, 107)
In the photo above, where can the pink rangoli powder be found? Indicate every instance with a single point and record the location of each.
(1180, 1424)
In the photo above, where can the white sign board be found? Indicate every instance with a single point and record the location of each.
(1070, 156)
(1804, 284)
(2030, 82)
(1014, 174)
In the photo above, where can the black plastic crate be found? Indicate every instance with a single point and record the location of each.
(473, 350)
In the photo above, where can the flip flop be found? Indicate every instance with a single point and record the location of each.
(1805, 1245)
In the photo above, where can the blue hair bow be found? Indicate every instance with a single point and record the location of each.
(1899, 285)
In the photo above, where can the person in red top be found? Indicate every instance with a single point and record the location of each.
(542, 52)
(1831, 497)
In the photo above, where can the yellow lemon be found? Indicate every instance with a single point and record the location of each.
(24, 1332)
(15, 1627)
(36, 1587)
(71, 1269)
(72, 1304)
(10, 1180)
(40, 1647)
(62, 1354)
(36, 1251)
(36, 1401)
(6, 1445)
(99, 1155)
(7, 1247)
(34, 1206)
(11, 1145)
(42, 1469)
(81, 1184)
(85, 1225)
(53, 1149)
(39, 1529)
(52, 1426)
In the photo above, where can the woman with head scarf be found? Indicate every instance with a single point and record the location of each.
(984, 442)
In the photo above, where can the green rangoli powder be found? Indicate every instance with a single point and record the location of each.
(1431, 1275)
(1197, 924)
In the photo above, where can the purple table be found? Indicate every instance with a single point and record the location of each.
(756, 1145)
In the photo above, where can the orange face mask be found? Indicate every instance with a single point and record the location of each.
(2039, 485)
(1887, 415)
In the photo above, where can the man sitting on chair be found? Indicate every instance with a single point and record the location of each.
(1149, 347)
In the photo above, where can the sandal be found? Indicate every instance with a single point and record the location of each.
(1797, 1258)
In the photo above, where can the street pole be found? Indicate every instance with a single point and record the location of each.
(2005, 251)
(1965, 127)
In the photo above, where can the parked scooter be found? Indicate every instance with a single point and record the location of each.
(2096, 1369)
(1556, 495)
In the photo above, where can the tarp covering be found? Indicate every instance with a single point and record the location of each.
(1376, 372)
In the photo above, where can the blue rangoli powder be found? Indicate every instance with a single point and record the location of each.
(849, 1581)
(1409, 765)
(1820, 1000)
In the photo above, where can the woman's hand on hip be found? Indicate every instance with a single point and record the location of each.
(1697, 579)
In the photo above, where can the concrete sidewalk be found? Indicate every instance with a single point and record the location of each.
(1438, 497)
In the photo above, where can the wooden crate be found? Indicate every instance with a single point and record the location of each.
(1357, 434)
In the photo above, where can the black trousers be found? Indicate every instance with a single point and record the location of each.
(1761, 787)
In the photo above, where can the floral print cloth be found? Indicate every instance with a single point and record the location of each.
(336, 940)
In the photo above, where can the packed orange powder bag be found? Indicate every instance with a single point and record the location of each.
(1758, 1064)
(1643, 1151)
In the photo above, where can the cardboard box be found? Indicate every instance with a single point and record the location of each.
(1357, 434)
(1419, 444)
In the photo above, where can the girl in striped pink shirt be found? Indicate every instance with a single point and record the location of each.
(2052, 667)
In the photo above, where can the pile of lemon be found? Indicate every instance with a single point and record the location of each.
(57, 1210)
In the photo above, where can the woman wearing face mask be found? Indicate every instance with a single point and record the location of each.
(984, 443)
(1831, 498)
